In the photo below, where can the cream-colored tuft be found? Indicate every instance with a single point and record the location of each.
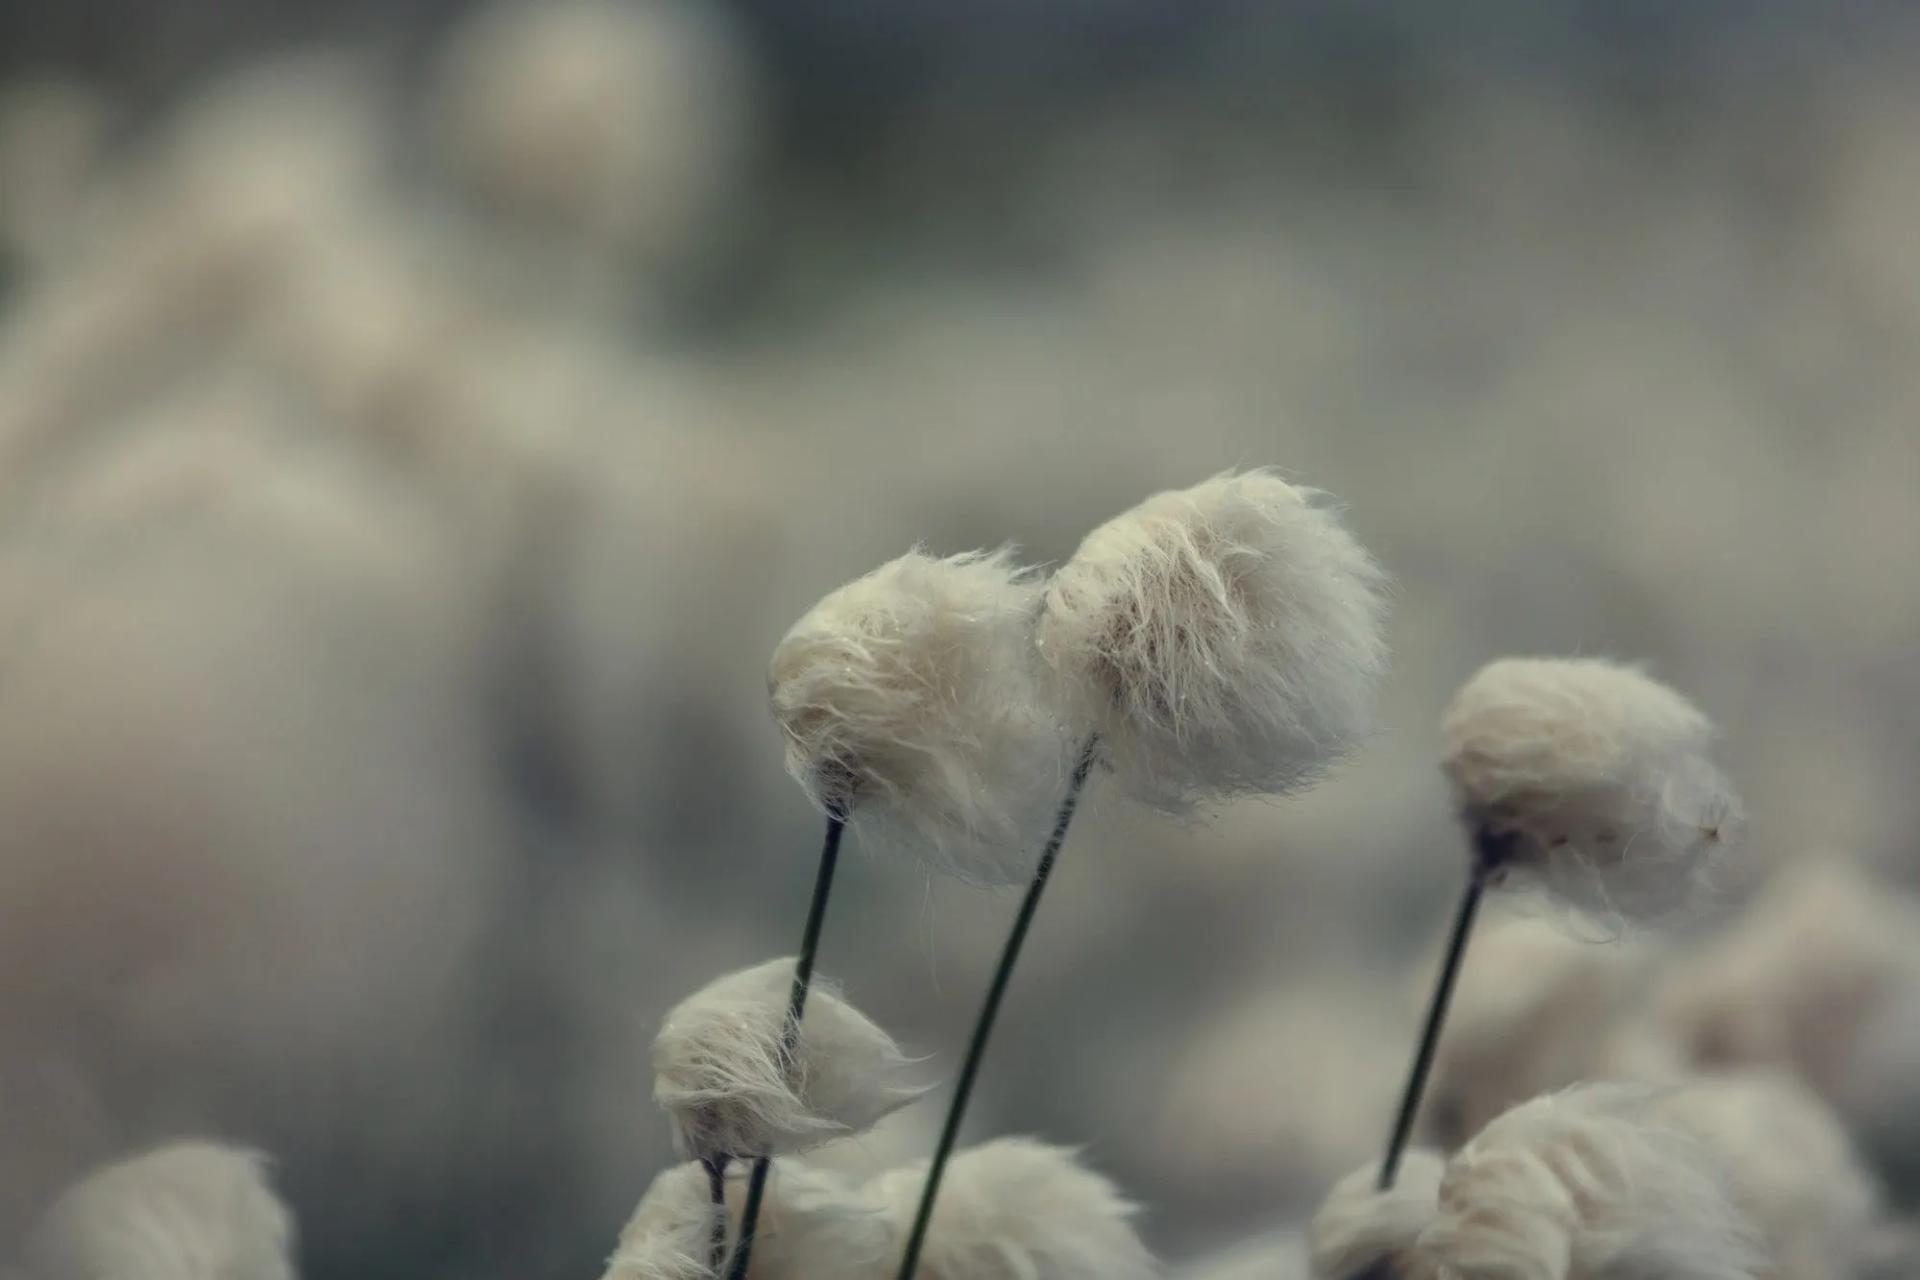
(671, 1230)
(1801, 978)
(620, 124)
(1588, 1184)
(910, 701)
(723, 1076)
(1358, 1227)
(191, 1211)
(1794, 1170)
(1018, 1209)
(1222, 640)
(1594, 781)
(812, 1224)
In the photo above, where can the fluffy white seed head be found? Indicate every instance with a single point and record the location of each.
(1794, 1171)
(814, 1223)
(1360, 1231)
(1588, 1184)
(191, 1211)
(724, 1077)
(811, 1224)
(1018, 1209)
(911, 703)
(1222, 640)
(1591, 779)
(670, 1232)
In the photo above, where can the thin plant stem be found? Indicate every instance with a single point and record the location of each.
(1487, 853)
(717, 1191)
(983, 1025)
(790, 1034)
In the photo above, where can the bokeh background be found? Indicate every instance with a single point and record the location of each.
(419, 421)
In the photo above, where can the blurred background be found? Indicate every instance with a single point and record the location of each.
(420, 420)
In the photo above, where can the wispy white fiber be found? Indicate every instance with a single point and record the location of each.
(190, 1211)
(722, 1073)
(1598, 779)
(1589, 1184)
(1019, 1209)
(910, 701)
(1359, 1227)
(1223, 639)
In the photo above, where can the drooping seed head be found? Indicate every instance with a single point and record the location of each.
(189, 1211)
(724, 1076)
(1222, 640)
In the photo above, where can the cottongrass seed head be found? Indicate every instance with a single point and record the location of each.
(725, 1079)
(1588, 1184)
(1592, 780)
(670, 1231)
(812, 1224)
(190, 1211)
(1019, 1209)
(1361, 1231)
(911, 705)
(1795, 1173)
(1221, 640)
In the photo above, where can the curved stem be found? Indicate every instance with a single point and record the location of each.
(983, 1025)
(790, 1034)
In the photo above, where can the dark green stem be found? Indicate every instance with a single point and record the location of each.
(790, 1033)
(717, 1191)
(983, 1026)
(1487, 855)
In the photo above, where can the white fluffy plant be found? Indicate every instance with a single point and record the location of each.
(814, 1225)
(735, 1088)
(744, 1072)
(190, 1211)
(1592, 780)
(1019, 1209)
(1588, 779)
(910, 704)
(1213, 642)
(1589, 1184)
(1221, 640)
